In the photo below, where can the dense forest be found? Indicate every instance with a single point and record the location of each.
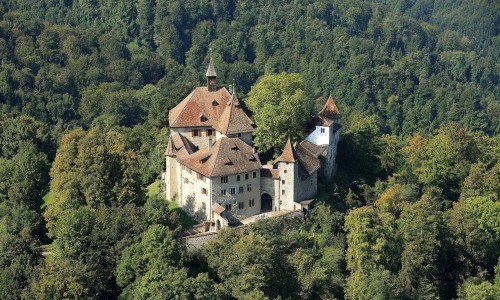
(413, 212)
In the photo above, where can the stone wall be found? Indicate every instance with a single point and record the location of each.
(320, 136)
(288, 178)
(201, 140)
(271, 186)
(192, 199)
(306, 189)
(245, 196)
(198, 240)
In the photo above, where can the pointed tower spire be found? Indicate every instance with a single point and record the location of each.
(211, 76)
(288, 155)
(211, 69)
(330, 109)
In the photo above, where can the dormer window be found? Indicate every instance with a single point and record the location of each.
(215, 103)
(203, 118)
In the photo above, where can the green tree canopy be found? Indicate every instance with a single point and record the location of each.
(280, 108)
(93, 168)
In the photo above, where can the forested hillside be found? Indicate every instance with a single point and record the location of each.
(85, 90)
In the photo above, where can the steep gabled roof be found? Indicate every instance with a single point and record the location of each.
(200, 102)
(178, 145)
(313, 148)
(330, 110)
(211, 69)
(308, 161)
(234, 119)
(226, 156)
(288, 155)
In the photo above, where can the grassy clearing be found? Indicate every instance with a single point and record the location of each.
(154, 188)
(46, 200)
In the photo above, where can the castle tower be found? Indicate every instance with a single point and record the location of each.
(211, 77)
(327, 134)
(289, 174)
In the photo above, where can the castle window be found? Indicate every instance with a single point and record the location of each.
(237, 177)
(251, 203)
(201, 177)
(241, 205)
(232, 191)
(209, 132)
(240, 190)
(282, 192)
(285, 171)
(249, 187)
(223, 179)
(254, 174)
(228, 207)
(204, 191)
(246, 176)
(195, 132)
(282, 182)
(322, 130)
(223, 192)
(196, 148)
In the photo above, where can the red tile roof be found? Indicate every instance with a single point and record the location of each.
(234, 119)
(288, 154)
(308, 163)
(226, 156)
(307, 160)
(178, 145)
(313, 148)
(270, 173)
(330, 110)
(201, 102)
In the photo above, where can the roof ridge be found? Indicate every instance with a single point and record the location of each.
(234, 118)
(213, 152)
(231, 107)
(188, 98)
(302, 147)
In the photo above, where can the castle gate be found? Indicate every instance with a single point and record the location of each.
(266, 202)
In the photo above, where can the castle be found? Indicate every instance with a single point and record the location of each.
(214, 173)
